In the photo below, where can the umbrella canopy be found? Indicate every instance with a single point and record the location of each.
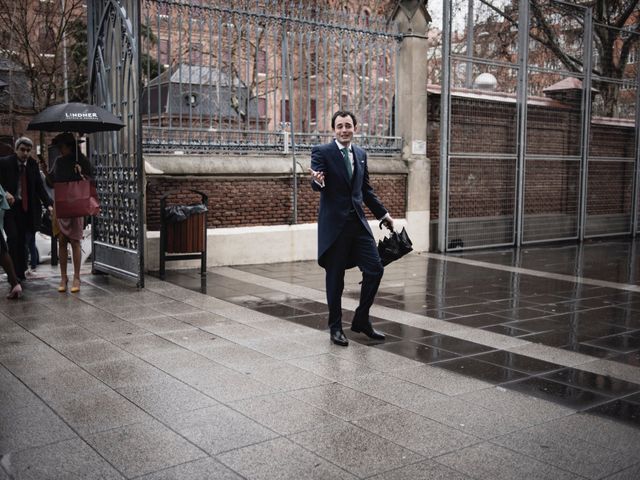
(396, 246)
(75, 117)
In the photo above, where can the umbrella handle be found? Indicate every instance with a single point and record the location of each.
(382, 223)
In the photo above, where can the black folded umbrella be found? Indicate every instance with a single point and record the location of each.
(395, 246)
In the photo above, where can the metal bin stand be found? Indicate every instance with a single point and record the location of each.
(185, 240)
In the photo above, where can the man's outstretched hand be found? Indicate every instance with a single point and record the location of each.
(317, 177)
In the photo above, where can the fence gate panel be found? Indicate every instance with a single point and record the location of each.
(555, 128)
(482, 133)
(539, 124)
(118, 232)
(613, 141)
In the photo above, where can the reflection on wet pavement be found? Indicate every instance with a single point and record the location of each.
(600, 321)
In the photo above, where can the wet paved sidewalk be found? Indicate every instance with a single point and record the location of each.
(507, 369)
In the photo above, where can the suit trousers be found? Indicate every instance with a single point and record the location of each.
(16, 225)
(356, 246)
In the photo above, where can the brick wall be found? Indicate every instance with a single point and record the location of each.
(254, 201)
(485, 187)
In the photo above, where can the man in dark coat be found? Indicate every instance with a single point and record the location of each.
(20, 172)
(339, 172)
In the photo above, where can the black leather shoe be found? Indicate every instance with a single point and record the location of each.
(339, 338)
(369, 331)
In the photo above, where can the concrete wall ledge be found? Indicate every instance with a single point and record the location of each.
(251, 165)
(252, 245)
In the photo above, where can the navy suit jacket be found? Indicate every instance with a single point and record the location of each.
(341, 195)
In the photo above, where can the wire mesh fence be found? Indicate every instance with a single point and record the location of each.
(539, 131)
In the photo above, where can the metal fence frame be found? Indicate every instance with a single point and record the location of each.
(582, 228)
(266, 74)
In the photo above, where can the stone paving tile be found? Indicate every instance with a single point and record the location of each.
(14, 394)
(95, 412)
(58, 385)
(331, 367)
(204, 469)
(342, 401)
(439, 380)
(223, 384)
(469, 418)
(376, 359)
(237, 357)
(283, 460)
(285, 348)
(71, 459)
(200, 318)
(355, 449)
(166, 399)
(425, 470)
(171, 307)
(30, 427)
(394, 390)
(164, 324)
(284, 414)
(112, 328)
(124, 373)
(544, 443)
(37, 357)
(631, 473)
(93, 352)
(143, 448)
(601, 431)
(218, 429)
(529, 409)
(417, 433)
(33, 323)
(491, 462)
(285, 377)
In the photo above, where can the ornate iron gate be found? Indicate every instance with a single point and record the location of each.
(118, 232)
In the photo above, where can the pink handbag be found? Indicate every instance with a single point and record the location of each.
(76, 199)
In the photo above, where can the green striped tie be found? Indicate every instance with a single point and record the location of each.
(347, 162)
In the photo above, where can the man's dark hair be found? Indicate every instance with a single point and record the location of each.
(343, 113)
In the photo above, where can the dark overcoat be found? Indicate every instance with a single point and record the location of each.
(341, 195)
(36, 193)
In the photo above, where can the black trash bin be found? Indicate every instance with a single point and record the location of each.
(183, 232)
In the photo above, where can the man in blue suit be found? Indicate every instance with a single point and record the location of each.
(339, 172)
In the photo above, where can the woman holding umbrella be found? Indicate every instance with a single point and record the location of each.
(70, 166)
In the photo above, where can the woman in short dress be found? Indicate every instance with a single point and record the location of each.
(70, 166)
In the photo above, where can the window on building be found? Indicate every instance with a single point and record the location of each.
(312, 111)
(261, 61)
(262, 107)
(163, 47)
(284, 110)
(195, 53)
(47, 40)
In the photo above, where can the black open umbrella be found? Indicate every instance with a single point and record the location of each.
(75, 117)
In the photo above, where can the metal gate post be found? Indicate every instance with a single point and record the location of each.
(586, 121)
(635, 197)
(445, 103)
(522, 96)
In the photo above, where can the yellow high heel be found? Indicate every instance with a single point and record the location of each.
(63, 286)
(75, 288)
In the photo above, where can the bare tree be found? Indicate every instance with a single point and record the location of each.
(34, 33)
(616, 34)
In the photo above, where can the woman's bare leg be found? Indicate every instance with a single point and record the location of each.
(63, 258)
(76, 251)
